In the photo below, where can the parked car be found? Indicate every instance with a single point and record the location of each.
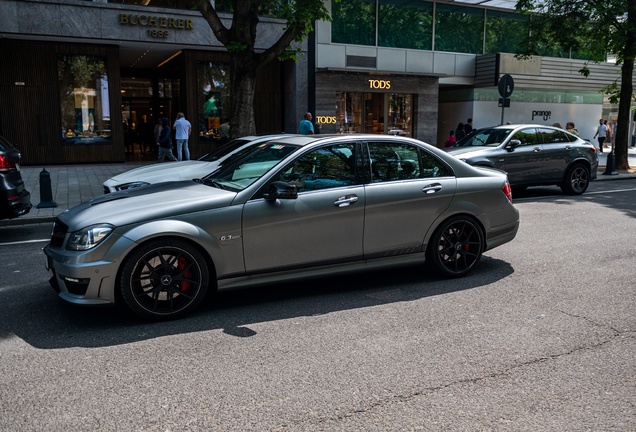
(184, 170)
(15, 200)
(291, 207)
(532, 155)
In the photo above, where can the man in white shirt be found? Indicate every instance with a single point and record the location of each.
(183, 128)
(601, 131)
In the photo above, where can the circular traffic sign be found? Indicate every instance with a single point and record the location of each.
(506, 86)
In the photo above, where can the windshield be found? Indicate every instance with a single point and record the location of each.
(223, 150)
(243, 171)
(490, 137)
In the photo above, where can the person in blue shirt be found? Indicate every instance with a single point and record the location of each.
(306, 127)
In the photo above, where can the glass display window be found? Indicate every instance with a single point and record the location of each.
(213, 83)
(374, 113)
(84, 100)
(405, 24)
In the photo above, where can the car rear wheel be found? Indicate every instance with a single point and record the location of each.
(576, 181)
(455, 247)
(164, 279)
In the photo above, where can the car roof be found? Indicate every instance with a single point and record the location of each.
(303, 140)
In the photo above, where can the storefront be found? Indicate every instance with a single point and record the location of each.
(388, 104)
(90, 84)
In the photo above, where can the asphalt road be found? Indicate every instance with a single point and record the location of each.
(540, 337)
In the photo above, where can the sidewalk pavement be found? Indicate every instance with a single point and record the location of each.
(74, 184)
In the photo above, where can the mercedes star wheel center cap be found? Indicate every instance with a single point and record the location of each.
(166, 280)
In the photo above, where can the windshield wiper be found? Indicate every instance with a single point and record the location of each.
(211, 182)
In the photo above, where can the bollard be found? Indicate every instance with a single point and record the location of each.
(610, 166)
(46, 193)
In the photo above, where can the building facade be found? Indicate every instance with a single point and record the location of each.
(87, 81)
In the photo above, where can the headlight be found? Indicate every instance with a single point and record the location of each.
(131, 185)
(89, 237)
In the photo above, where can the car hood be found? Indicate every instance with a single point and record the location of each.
(162, 172)
(469, 152)
(149, 202)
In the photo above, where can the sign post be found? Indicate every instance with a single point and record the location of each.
(506, 86)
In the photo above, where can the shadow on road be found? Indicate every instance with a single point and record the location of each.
(36, 315)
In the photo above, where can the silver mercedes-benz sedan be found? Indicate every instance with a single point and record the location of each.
(292, 207)
(532, 155)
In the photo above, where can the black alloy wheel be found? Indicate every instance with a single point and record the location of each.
(577, 179)
(164, 279)
(456, 246)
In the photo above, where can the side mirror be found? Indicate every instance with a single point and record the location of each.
(281, 190)
(512, 144)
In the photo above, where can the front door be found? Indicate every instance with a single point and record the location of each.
(557, 153)
(524, 164)
(324, 225)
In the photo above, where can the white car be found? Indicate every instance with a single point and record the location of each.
(184, 170)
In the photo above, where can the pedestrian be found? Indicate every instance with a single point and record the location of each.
(468, 127)
(184, 129)
(225, 130)
(460, 132)
(569, 126)
(601, 131)
(165, 141)
(450, 141)
(306, 127)
(157, 130)
(609, 134)
(557, 125)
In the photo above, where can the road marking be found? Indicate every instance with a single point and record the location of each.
(25, 241)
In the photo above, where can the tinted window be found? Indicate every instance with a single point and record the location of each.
(393, 161)
(551, 136)
(324, 168)
(527, 137)
(353, 22)
(433, 167)
(405, 24)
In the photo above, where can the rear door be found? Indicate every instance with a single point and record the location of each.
(557, 152)
(409, 189)
(524, 164)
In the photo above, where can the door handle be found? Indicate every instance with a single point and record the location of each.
(432, 188)
(346, 200)
(536, 149)
(568, 147)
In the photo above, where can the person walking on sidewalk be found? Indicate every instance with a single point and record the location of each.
(183, 128)
(601, 131)
(165, 141)
(306, 127)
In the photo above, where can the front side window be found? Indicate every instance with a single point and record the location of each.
(528, 137)
(393, 162)
(324, 168)
(85, 105)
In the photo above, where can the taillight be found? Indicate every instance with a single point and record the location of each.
(6, 165)
(507, 190)
(593, 149)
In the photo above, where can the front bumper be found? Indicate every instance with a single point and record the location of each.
(86, 278)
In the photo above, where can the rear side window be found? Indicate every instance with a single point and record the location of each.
(553, 136)
(5, 145)
(399, 161)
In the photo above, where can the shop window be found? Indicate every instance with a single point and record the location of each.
(400, 115)
(349, 112)
(405, 24)
(374, 113)
(84, 100)
(459, 29)
(353, 22)
(213, 84)
(505, 31)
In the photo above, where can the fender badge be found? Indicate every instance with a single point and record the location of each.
(229, 237)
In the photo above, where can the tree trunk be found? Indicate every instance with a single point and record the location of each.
(622, 133)
(242, 89)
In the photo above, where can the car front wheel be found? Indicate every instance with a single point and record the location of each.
(455, 247)
(164, 279)
(576, 181)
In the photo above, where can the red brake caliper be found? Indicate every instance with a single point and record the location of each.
(185, 286)
(464, 235)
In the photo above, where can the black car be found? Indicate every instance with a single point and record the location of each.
(15, 200)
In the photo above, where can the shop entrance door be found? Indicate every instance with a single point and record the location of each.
(374, 113)
(138, 128)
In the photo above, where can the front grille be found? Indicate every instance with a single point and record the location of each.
(59, 232)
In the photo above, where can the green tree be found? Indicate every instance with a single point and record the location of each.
(240, 39)
(590, 28)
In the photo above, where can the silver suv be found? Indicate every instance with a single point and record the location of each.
(532, 155)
